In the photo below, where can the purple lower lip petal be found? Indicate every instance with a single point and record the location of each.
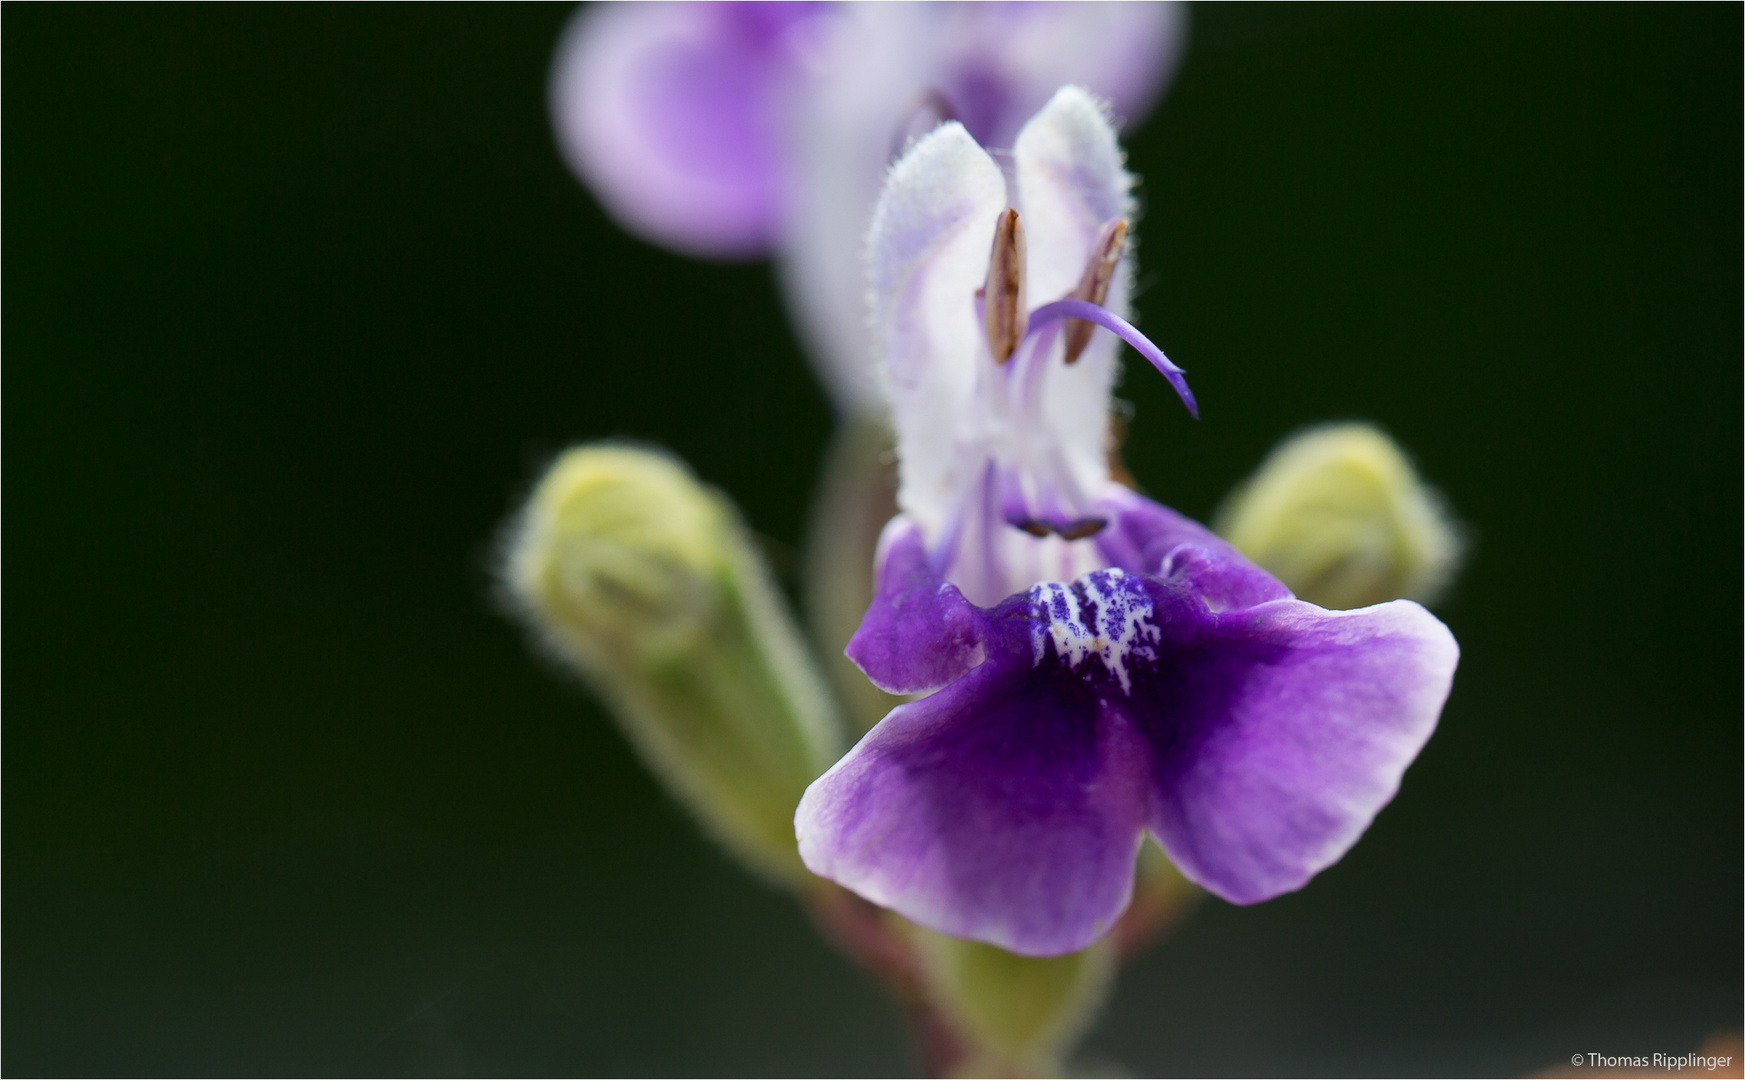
(1188, 696)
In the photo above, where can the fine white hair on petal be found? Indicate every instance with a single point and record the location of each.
(1125, 52)
(1071, 180)
(928, 252)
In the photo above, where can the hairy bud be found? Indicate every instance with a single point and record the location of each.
(1339, 516)
(645, 582)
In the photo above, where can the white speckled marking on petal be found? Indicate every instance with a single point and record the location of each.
(1120, 625)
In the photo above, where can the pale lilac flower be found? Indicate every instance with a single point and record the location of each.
(1098, 666)
(734, 130)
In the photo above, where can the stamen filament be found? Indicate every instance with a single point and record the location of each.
(1126, 331)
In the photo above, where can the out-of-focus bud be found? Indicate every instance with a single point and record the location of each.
(1015, 1015)
(857, 496)
(1339, 516)
(645, 582)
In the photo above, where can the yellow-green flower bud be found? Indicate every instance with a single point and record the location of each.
(1339, 516)
(646, 582)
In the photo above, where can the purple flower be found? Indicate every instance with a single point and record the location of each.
(1097, 666)
(733, 130)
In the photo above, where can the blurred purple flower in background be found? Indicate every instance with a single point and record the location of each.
(739, 130)
(1173, 687)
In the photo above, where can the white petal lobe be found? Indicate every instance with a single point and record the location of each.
(1071, 181)
(928, 249)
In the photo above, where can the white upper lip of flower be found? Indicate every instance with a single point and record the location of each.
(843, 129)
(803, 107)
(975, 435)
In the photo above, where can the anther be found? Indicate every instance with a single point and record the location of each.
(1005, 313)
(1094, 285)
(1082, 528)
(1076, 530)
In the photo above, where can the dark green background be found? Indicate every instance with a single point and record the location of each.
(299, 298)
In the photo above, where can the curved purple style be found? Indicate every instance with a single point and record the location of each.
(1126, 331)
(1182, 691)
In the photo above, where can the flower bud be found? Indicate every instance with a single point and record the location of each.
(1339, 516)
(646, 583)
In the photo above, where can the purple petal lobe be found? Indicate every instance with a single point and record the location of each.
(1181, 691)
(1144, 537)
(1280, 730)
(1008, 808)
(920, 633)
(671, 114)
